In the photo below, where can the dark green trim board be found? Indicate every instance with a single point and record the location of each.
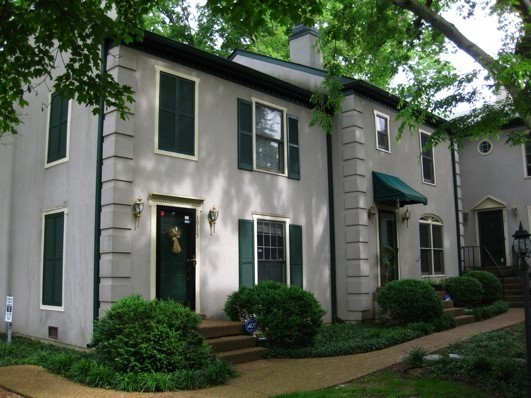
(332, 226)
(246, 252)
(295, 255)
(53, 262)
(57, 128)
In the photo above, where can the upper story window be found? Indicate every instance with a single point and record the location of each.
(427, 159)
(57, 138)
(431, 245)
(176, 132)
(527, 155)
(383, 140)
(268, 139)
(485, 147)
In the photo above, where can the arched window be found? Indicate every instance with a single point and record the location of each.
(431, 245)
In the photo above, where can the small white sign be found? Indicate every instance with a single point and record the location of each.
(9, 308)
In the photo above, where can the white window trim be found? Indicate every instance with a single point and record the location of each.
(434, 183)
(284, 135)
(382, 115)
(196, 80)
(68, 127)
(433, 220)
(286, 221)
(524, 162)
(44, 214)
(484, 153)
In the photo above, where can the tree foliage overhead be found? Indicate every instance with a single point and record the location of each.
(38, 36)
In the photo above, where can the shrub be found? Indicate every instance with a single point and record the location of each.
(409, 300)
(288, 316)
(465, 292)
(136, 335)
(488, 311)
(444, 322)
(489, 282)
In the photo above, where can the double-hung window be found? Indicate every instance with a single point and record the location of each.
(427, 159)
(383, 141)
(53, 258)
(176, 132)
(431, 245)
(270, 248)
(57, 139)
(268, 139)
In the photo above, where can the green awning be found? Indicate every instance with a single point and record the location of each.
(391, 190)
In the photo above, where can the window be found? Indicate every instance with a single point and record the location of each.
(431, 246)
(177, 116)
(266, 142)
(428, 166)
(52, 258)
(57, 140)
(485, 147)
(527, 149)
(276, 245)
(382, 132)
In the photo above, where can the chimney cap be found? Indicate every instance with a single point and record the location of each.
(301, 30)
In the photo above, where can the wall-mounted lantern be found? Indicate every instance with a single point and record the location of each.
(371, 212)
(406, 215)
(213, 215)
(515, 211)
(138, 208)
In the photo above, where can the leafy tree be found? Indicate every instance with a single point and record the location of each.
(37, 37)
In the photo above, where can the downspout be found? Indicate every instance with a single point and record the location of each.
(97, 200)
(333, 282)
(456, 203)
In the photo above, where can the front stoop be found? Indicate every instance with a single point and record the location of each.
(459, 314)
(230, 342)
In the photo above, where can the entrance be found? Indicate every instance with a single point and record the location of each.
(388, 246)
(176, 254)
(491, 237)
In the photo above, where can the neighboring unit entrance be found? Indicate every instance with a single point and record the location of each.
(176, 262)
(388, 246)
(491, 237)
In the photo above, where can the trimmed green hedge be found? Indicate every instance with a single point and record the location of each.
(490, 283)
(465, 291)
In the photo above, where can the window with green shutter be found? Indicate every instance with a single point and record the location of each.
(177, 115)
(265, 143)
(57, 129)
(52, 263)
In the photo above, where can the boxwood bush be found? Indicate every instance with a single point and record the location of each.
(465, 291)
(288, 316)
(489, 282)
(409, 300)
(136, 335)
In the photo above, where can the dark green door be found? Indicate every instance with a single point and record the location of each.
(491, 237)
(388, 246)
(176, 255)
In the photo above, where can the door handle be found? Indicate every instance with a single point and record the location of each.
(192, 261)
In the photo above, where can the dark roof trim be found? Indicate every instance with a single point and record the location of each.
(201, 60)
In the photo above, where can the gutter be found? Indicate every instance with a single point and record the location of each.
(97, 198)
(456, 204)
(333, 282)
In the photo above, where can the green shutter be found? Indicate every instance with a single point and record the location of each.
(57, 133)
(295, 255)
(176, 115)
(294, 167)
(245, 135)
(52, 278)
(246, 252)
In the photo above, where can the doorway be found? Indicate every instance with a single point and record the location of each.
(176, 255)
(387, 233)
(491, 238)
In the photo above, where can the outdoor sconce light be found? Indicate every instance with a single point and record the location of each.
(406, 215)
(522, 247)
(138, 208)
(213, 214)
(372, 211)
(515, 211)
(465, 216)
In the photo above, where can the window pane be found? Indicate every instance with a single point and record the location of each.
(268, 122)
(268, 154)
(438, 263)
(437, 236)
(382, 133)
(425, 262)
(271, 251)
(424, 232)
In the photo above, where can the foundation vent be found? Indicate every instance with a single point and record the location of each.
(53, 332)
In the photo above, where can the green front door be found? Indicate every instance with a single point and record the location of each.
(176, 255)
(388, 246)
(491, 238)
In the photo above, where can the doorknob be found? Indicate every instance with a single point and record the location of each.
(192, 261)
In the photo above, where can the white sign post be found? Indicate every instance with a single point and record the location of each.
(9, 317)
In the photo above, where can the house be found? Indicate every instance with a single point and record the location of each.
(497, 186)
(217, 180)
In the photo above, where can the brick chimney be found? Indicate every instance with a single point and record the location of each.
(302, 47)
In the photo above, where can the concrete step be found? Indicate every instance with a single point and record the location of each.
(230, 343)
(212, 328)
(454, 312)
(243, 355)
(464, 319)
(448, 304)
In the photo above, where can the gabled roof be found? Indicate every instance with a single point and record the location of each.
(224, 68)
